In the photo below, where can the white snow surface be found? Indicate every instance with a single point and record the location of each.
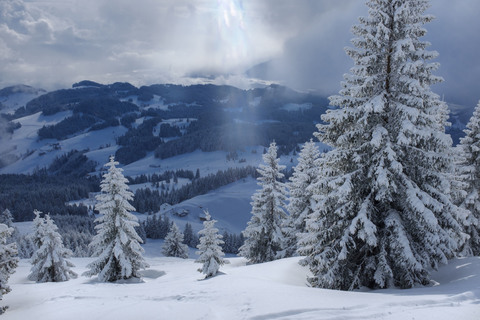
(172, 288)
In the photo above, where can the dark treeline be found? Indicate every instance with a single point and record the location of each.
(158, 226)
(21, 194)
(146, 200)
(72, 163)
(136, 142)
(232, 242)
(236, 136)
(66, 127)
(93, 114)
(165, 176)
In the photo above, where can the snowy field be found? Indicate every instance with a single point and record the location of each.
(172, 289)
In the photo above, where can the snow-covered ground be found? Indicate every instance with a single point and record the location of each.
(173, 289)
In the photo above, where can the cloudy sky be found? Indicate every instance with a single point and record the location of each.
(54, 43)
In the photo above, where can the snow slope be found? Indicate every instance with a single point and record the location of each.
(229, 205)
(173, 289)
(33, 153)
(17, 96)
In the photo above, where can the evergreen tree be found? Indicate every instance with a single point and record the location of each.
(189, 237)
(469, 174)
(8, 261)
(209, 249)
(6, 218)
(116, 243)
(49, 262)
(301, 201)
(384, 216)
(173, 245)
(263, 235)
(38, 230)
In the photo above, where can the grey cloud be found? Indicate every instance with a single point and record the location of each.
(48, 43)
(315, 59)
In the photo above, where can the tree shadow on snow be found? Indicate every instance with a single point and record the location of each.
(219, 273)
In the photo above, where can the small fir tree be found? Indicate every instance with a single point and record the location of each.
(385, 216)
(263, 235)
(6, 218)
(8, 261)
(38, 230)
(209, 249)
(301, 201)
(173, 245)
(116, 243)
(469, 174)
(49, 262)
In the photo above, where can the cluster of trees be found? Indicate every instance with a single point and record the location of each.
(232, 242)
(390, 201)
(156, 226)
(117, 244)
(225, 137)
(136, 142)
(165, 176)
(67, 127)
(73, 163)
(45, 192)
(159, 226)
(93, 114)
(67, 99)
(146, 200)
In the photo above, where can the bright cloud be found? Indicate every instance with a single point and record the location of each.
(51, 43)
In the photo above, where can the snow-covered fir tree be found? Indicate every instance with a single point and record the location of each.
(209, 249)
(263, 235)
(301, 202)
(173, 245)
(385, 215)
(49, 262)
(469, 174)
(38, 230)
(116, 243)
(6, 218)
(8, 261)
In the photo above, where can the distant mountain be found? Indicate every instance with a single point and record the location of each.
(165, 119)
(14, 97)
(157, 132)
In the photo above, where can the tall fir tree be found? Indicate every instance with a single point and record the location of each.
(469, 175)
(49, 262)
(8, 261)
(116, 243)
(385, 215)
(301, 201)
(263, 235)
(209, 249)
(173, 245)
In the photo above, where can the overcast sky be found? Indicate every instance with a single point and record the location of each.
(54, 43)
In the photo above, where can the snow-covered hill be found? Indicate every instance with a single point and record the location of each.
(172, 289)
(14, 97)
